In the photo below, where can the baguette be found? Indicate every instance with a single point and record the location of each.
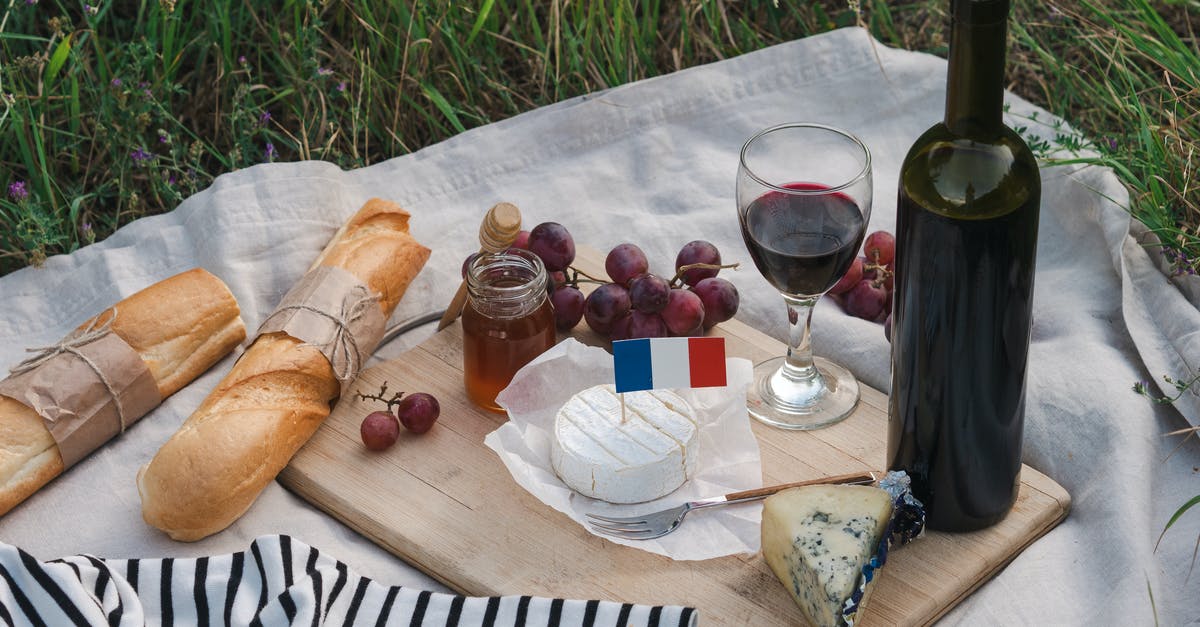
(277, 395)
(180, 327)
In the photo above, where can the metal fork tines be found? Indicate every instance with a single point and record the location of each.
(660, 523)
(648, 526)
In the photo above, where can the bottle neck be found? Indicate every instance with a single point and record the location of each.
(975, 86)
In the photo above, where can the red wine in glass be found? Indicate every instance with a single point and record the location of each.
(803, 243)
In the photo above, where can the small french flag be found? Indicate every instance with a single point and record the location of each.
(669, 362)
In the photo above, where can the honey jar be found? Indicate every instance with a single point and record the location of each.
(507, 322)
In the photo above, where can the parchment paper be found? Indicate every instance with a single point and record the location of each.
(728, 462)
(76, 406)
(332, 310)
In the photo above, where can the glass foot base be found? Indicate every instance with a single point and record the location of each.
(779, 401)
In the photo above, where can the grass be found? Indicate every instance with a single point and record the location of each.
(119, 110)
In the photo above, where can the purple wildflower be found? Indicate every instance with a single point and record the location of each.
(341, 86)
(30, 3)
(17, 191)
(116, 82)
(140, 156)
(90, 10)
(242, 60)
(1112, 143)
(264, 118)
(270, 154)
(324, 71)
(87, 227)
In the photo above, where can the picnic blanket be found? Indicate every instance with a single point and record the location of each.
(654, 162)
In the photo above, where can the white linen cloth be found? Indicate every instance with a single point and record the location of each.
(278, 581)
(654, 163)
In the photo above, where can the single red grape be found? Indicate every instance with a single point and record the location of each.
(553, 244)
(568, 307)
(867, 300)
(467, 263)
(684, 312)
(620, 329)
(646, 325)
(418, 412)
(604, 305)
(851, 278)
(522, 240)
(698, 251)
(648, 293)
(880, 247)
(555, 280)
(720, 299)
(379, 430)
(624, 262)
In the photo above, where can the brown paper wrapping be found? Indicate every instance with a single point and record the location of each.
(74, 401)
(331, 310)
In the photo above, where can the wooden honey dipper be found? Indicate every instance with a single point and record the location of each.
(496, 233)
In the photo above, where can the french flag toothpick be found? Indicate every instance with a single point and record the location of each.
(669, 362)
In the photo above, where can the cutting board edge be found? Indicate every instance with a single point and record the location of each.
(1050, 523)
(297, 483)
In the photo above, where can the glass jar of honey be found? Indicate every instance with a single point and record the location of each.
(507, 322)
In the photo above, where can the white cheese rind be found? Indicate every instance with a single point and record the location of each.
(817, 538)
(646, 456)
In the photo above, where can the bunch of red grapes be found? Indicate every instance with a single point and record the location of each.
(865, 290)
(636, 303)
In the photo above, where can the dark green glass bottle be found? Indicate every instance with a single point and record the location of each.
(966, 238)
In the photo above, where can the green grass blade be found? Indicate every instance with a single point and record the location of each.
(1195, 500)
(443, 105)
(57, 59)
(479, 20)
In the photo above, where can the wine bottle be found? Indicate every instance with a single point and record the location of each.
(966, 232)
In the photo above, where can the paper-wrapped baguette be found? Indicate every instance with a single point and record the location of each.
(210, 472)
(180, 327)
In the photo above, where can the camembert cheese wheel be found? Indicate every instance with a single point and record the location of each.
(643, 457)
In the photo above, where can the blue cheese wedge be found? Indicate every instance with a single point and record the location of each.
(643, 456)
(817, 539)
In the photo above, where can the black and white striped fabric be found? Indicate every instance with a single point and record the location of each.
(279, 581)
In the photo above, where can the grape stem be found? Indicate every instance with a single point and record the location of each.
(394, 400)
(677, 280)
(579, 273)
(882, 272)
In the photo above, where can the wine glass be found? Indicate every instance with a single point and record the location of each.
(804, 199)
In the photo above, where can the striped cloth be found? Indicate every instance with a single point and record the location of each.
(279, 581)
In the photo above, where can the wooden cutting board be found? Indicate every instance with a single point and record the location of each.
(446, 504)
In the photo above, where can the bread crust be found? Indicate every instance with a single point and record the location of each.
(179, 326)
(277, 395)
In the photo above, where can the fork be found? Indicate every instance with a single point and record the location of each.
(660, 523)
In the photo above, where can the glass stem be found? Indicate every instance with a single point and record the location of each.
(799, 363)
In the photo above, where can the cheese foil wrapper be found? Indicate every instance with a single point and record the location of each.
(729, 458)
